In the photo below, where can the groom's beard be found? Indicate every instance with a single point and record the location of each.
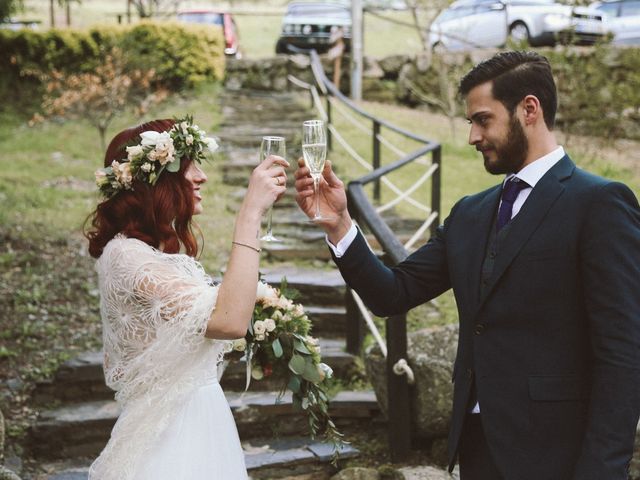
(511, 153)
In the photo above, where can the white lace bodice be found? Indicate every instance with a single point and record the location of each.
(154, 309)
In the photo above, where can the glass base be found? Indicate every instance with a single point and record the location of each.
(322, 218)
(269, 237)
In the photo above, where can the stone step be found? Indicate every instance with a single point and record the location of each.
(316, 286)
(81, 379)
(251, 136)
(344, 365)
(268, 458)
(82, 430)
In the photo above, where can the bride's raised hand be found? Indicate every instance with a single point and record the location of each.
(267, 184)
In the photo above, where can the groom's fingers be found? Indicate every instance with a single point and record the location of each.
(331, 177)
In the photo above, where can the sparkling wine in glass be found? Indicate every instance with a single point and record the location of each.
(271, 146)
(314, 151)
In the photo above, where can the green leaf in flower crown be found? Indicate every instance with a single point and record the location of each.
(305, 403)
(294, 384)
(297, 364)
(300, 346)
(311, 371)
(277, 348)
(173, 166)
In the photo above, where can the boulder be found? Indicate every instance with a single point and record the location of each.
(357, 473)
(431, 353)
(391, 65)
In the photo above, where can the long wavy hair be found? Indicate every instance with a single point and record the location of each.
(159, 215)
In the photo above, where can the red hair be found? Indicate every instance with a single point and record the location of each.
(159, 215)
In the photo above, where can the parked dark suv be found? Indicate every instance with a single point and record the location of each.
(219, 19)
(309, 25)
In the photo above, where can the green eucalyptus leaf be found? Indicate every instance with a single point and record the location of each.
(173, 166)
(301, 347)
(305, 403)
(294, 384)
(310, 372)
(277, 348)
(297, 364)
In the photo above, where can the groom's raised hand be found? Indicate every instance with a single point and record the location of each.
(333, 200)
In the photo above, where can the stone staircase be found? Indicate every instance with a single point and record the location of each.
(80, 411)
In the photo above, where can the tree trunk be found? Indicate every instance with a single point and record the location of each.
(52, 13)
(68, 11)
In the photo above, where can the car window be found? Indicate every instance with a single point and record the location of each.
(210, 18)
(630, 8)
(610, 8)
(488, 7)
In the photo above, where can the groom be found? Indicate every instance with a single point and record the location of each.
(545, 268)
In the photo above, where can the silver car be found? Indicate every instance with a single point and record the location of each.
(469, 24)
(621, 19)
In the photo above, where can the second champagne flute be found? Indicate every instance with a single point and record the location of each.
(314, 151)
(271, 146)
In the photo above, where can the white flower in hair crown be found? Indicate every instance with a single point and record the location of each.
(157, 152)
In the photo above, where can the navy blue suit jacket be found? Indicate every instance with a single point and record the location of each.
(553, 343)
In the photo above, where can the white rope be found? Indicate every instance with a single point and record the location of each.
(369, 321)
(356, 156)
(401, 367)
(345, 112)
(427, 223)
(391, 146)
(410, 190)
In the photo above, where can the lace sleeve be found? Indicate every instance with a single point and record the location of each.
(155, 309)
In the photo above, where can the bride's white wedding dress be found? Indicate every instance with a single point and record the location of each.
(175, 421)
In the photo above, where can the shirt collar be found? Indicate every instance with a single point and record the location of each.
(533, 172)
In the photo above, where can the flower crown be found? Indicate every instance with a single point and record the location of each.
(156, 153)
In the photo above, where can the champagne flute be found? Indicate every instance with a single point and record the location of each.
(271, 146)
(314, 151)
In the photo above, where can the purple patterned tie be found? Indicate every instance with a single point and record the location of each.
(510, 192)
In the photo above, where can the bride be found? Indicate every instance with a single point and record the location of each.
(165, 324)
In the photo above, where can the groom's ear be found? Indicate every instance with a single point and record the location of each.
(531, 110)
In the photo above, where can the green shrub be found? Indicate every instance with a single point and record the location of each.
(181, 55)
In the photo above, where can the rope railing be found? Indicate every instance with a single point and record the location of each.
(394, 349)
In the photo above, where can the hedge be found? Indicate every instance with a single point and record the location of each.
(181, 55)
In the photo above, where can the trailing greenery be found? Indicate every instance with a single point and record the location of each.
(181, 56)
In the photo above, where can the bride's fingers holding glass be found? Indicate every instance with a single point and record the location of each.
(267, 183)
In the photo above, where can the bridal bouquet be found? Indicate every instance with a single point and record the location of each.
(278, 345)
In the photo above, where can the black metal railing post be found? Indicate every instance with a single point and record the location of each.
(436, 180)
(376, 159)
(329, 140)
(399, 407)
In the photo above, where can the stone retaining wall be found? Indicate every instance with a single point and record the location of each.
(419, 80)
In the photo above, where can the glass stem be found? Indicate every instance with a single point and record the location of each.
(316, 188)
(269, 218)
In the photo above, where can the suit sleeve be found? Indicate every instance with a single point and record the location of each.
(423, 275)
(610, 263)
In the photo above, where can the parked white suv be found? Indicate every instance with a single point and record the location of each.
(621, 19)
(469, 24)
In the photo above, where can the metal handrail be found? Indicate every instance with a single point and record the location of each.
(399, 376)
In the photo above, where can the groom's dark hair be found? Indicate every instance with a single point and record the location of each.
(516, 75)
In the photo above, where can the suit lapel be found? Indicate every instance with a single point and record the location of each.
(483, 213)
(533, 212)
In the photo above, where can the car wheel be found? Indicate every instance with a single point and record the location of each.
(519, 32)
(281, 46)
